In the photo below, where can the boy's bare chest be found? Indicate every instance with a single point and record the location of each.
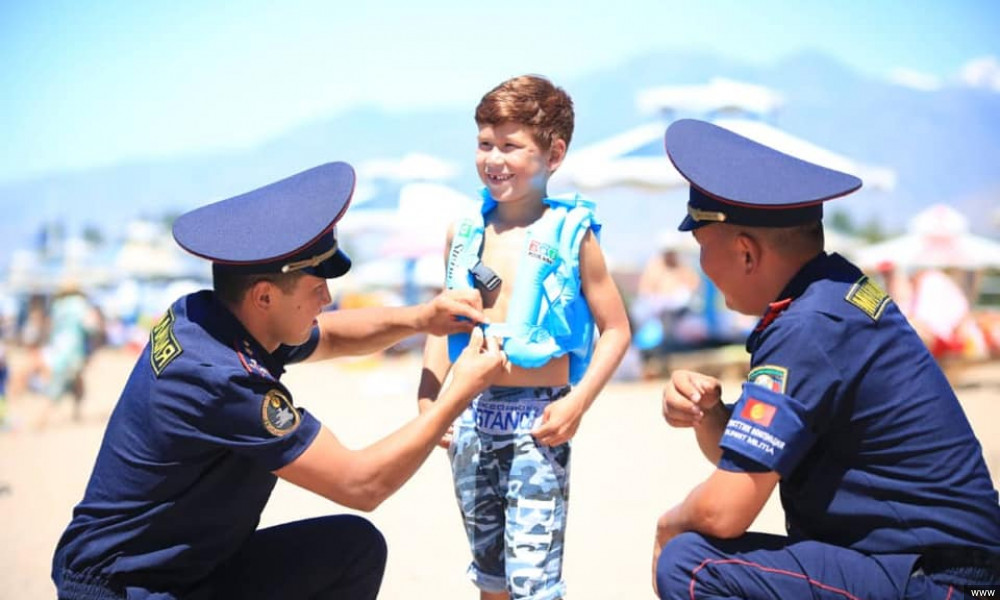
(502, 252)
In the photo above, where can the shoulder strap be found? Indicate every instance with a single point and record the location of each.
(463, 254)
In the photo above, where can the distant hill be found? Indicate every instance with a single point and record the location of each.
(944, 146)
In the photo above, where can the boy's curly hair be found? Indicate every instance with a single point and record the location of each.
(530, 100)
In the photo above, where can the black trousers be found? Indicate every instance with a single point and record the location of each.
(340, 557)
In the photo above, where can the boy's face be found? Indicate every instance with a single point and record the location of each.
(512, 165)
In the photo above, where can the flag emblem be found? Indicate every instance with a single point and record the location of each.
(758, 412)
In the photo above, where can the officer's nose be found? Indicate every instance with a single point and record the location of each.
(327, 298)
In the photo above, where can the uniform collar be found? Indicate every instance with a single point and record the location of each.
(810, 272)
(227, 329)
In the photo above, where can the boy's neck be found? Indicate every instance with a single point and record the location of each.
(521, 212)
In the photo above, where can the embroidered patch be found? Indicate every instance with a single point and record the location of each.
(771, 377)
(164, 345)
(759, 412)
(278, 414)
(868, 296)
(542, 251)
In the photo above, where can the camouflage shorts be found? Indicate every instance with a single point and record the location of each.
(512, 493)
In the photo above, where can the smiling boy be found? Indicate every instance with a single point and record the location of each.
(538, 264)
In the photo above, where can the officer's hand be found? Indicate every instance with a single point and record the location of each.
(478, 366)
(452, 311)
(688, 397)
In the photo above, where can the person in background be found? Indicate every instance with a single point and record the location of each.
(55, 366)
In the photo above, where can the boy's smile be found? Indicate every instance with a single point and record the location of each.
(511, 163)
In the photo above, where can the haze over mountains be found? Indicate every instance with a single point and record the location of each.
(943, 143)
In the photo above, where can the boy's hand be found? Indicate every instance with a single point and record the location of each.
(445, 441)
(560, 421)
(452, 311)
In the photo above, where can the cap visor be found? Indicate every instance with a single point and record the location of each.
(335, 266)
(689, 224)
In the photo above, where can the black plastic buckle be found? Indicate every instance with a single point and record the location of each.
(485, 276)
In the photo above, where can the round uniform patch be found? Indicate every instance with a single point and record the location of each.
(278, 414)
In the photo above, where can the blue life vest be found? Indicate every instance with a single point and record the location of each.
(548, 315)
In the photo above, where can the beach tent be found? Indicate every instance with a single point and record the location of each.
(937, 237)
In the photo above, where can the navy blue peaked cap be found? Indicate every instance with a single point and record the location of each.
(737, 180)
(286, 226)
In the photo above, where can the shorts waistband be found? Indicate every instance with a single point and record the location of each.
(510, 410)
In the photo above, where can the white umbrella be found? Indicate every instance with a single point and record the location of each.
(938, 237)
(636, 158)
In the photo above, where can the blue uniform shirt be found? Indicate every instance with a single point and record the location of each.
(185, 467)
(845, 402)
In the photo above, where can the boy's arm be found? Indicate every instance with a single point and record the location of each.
(562, 417)
(435, 370)
(436, 360)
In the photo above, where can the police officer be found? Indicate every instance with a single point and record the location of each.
(883, 483)
(204, 426)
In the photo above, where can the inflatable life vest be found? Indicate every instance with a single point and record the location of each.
(548, 315)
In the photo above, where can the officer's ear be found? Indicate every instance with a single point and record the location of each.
(748, 251)
(260, 294)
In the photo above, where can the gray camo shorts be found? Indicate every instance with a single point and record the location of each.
(512, 492)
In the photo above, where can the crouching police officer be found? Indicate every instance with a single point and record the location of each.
(204, 425)
(883, 483)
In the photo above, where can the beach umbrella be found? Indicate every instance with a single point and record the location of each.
(937, 237)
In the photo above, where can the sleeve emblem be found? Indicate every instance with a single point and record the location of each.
(771, 377)
(758, 412)
(277, 413)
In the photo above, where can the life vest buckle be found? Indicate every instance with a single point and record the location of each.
(485, 276)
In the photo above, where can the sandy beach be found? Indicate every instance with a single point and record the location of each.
(628, 467)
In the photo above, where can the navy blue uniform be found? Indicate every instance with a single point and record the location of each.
(883, 482)
(185, 469)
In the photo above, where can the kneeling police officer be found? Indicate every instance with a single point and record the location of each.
(204, 426)
(885, 490)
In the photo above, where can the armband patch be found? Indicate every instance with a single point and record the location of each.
(868, 296)
(164, 347)
(277, 413)
(771, 377)
(758, 411)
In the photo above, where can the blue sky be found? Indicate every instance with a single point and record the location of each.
(86, 84)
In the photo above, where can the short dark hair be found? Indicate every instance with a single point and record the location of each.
(230, 286)
(807, 238)
(530, 100)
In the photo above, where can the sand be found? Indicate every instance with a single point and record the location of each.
(628, 467)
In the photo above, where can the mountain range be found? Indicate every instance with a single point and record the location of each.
(944, 146)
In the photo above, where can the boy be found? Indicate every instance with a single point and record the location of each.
(544, 284)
